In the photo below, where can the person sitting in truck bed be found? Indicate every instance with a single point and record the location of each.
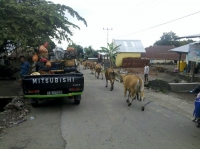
(24, 67)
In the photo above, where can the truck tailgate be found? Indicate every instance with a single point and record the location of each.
(53, 82)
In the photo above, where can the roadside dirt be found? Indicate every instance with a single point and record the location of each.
(158, 81)
(14, 113)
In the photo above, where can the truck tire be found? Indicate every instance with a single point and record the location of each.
(35, 103)
(77, 99)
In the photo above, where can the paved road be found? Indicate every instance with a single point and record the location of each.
(103, 120)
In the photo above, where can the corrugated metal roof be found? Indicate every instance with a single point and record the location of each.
(190, 36)
(129, 46)
(182, 49)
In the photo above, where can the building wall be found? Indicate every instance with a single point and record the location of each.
(161, 61)
(120, 57)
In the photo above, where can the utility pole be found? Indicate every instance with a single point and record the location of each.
(107, 33)
(107, 41)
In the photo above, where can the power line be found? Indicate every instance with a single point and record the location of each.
(140, 12)
(129, 11)
(159, 24)
(153, 26)
(99, 42)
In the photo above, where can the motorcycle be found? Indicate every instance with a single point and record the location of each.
(196, 112)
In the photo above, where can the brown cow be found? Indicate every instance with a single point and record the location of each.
(98, 70)
(134, 85)
(86, 64)
(111, 75)
(92, 67)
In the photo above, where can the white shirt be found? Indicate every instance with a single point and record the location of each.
(146, 70)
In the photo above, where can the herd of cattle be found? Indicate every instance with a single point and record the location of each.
(132, 83)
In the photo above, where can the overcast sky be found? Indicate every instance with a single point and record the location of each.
(128, 18)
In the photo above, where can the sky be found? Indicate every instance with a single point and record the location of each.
(131, 19)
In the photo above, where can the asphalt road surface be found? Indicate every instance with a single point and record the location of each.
(102, 121)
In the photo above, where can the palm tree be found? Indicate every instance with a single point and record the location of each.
(111, 51)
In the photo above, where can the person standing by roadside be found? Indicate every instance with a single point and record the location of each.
(146, 73)
(24, 68)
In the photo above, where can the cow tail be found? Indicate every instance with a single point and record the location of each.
(137, 87)
(113, 73)
(142, 85)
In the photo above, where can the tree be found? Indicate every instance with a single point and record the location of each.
(111, 51)
(90, 52)
(166, 39)
(170, 39)
(32, 22)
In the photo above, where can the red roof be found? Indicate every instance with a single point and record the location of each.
(161, 53)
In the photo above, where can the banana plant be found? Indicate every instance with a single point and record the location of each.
(111, 50)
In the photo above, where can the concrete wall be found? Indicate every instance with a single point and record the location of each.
(120, 57)
(161, 61)
(183, 87)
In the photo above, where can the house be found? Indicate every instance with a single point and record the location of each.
(192, 52)
(161, 54)
(128, 48)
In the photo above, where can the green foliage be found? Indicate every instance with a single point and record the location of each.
(90, 52)
(168, 38)
(32, 22)
(111, 51)
(176, 80)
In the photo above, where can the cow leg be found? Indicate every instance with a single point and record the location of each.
(125, 91)
(102, 75)
(98, 76)
(111, 85)
(129, 95)
(138, 96)
(133, 94)
(106, 83)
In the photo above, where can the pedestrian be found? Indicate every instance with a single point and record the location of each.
(146, 73)
(24, 68)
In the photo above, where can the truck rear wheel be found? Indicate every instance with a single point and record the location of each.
(77, 99)
(34, 103)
